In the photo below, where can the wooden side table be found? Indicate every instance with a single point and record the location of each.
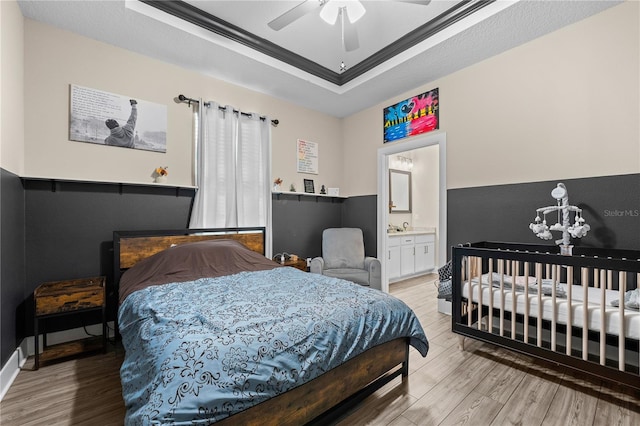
(299, 264)
(58, 298)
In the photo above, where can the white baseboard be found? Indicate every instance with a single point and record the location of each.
(27, 348)
(11, 369)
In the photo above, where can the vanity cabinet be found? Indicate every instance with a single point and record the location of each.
(407, 255)
(425, 252)
(410, 254)
(393, 257)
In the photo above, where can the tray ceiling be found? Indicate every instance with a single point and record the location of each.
(401, 45)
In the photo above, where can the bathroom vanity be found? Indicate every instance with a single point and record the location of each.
(410, 253)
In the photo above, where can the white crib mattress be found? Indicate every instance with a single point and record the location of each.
(612, 315)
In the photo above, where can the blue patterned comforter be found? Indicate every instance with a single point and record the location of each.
(200, 351)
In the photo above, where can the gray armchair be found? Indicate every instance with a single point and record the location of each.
(343, 257)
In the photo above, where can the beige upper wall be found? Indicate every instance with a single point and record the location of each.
(11, 88)
(55, 59)
(563, 106)
(550, 109)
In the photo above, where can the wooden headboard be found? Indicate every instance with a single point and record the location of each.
(130, 247)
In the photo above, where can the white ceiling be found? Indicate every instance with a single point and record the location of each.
(313, 38)
(492, 29)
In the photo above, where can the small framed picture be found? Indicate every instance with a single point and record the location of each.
(308, 186)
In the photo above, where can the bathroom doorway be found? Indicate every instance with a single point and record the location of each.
(384, 155)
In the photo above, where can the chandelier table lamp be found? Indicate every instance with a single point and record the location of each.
(577, 229)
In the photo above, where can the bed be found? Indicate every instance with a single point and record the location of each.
(580, 311)
(214, 332)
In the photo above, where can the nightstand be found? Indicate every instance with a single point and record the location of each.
(57, 298)
(299, 264)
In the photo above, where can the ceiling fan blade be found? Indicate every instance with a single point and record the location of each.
(349, 33)
(293, 14)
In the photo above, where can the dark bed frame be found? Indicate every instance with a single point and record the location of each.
(465, 313)
(320, 401)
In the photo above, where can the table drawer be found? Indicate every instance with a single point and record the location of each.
(71, 295)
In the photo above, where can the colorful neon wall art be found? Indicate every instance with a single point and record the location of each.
(412, 116)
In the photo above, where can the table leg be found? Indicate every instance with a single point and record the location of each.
(36, 342)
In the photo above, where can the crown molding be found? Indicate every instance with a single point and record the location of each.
(192, 14)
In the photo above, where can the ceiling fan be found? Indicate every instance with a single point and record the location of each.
(349, 11)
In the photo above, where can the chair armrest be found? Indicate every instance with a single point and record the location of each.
(372, 265)
(317, 265)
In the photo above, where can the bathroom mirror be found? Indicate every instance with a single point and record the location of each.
(399, 191)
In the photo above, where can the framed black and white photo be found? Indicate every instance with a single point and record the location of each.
(105, 118)
(308, 186)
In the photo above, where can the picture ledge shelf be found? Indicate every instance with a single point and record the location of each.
(55, 180)
(306, 194)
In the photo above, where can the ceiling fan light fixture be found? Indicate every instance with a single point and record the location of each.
(331, 9)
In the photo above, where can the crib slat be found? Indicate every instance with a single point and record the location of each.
(554, 315)
(585, 313)
(479, 268)
(490, 327)
(569, 309)
(514, 297)
(603, 322)
(548, 270)
(539, 313)
(622, 284)
(501, 272)
(526, 302)
(470, 260)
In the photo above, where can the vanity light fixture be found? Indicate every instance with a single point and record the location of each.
(404, 163)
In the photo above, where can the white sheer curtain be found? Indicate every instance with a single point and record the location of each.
(233, 171)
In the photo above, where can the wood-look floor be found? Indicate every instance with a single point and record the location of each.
(483, 385)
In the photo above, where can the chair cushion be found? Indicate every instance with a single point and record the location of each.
(343, 248)
(358, 276)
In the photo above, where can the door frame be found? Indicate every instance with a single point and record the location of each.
(417, 142)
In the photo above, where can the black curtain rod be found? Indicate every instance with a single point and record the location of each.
(183, 98)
